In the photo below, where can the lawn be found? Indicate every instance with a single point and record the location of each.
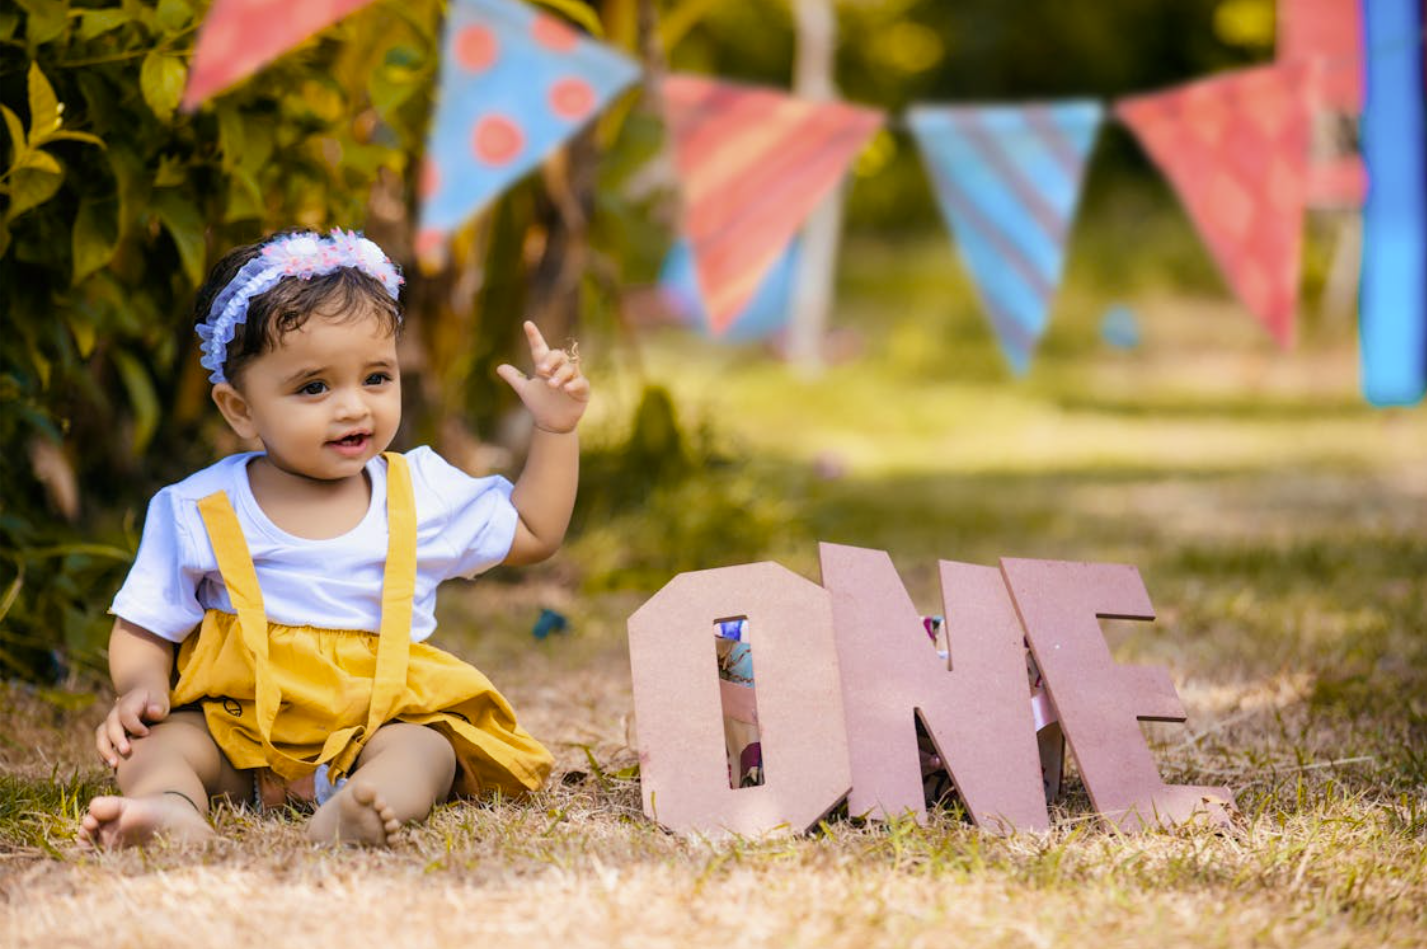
(1280, 526)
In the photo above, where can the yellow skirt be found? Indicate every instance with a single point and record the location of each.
(325, 678)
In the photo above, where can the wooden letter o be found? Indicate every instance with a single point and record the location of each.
(683, 766)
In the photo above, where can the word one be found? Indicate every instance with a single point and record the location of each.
(844, 674)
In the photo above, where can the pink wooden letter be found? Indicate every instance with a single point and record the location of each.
(976, 707)
(1099, 701)
(683, 767)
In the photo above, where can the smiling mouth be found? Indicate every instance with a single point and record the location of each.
(354, 440)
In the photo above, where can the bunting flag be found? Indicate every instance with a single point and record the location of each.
(1393, 306)
(1235, 148)
(1327, 37)
(1007, 179)
(515, 85)
(239, 37)
(766, 313)
(753, 164)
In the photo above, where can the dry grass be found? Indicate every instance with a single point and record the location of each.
(1282, 532)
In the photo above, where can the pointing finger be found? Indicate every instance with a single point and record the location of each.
(539, 349)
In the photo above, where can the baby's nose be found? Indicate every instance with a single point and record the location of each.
(351, 404)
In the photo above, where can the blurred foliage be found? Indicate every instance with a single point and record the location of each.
(670, 498)
(113, 202)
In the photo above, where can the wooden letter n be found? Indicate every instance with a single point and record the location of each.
(975, 705)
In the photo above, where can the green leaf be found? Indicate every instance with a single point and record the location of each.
(4, 236)
(40, 160)
(184, 224)
(142, 398)
(173, 16)
(15, 128)
(161, 79)
(83, 332)
(134, 186)
(231, 136)
(171, 172)
(94, 240)
(94, 23)
(82, 549)
(245, 198)
(9, 20)
(44, 107)
(577, 11)
(31, 187)
(47, 20)
(76, 137)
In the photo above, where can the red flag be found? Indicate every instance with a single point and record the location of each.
(753, 163)
(1235, 147)
(1327, 37)
(239, 37)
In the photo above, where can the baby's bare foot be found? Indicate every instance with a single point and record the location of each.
(134, 821)
(357, 814)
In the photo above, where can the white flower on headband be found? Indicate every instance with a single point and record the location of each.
(304, 256)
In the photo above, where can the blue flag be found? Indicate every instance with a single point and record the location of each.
(1394, 292)
(1007, 179)
(515, 84)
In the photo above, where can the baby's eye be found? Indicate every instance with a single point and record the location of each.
(313, 388)
(378, 378)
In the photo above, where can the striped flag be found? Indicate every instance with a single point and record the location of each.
(239, 37)
(1008, 179)
(515, 85)
(753, 164)
(1235, 147)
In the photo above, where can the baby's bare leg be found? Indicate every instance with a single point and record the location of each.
(165, 782)
(400, 775)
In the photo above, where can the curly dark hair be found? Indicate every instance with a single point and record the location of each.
(346, 293)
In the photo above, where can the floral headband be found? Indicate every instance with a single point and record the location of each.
(304, 255)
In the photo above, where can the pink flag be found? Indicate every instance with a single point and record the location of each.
(239, 37)
(1326, 36)
(1235, 147)
(754, 163)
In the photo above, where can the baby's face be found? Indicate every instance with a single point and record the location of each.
(328, 399)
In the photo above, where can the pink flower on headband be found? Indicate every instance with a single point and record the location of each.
(304, 255)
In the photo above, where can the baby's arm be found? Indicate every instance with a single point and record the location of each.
(544, 496)
(140, 664)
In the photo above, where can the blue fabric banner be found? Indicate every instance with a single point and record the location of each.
(1007, 179)
(515, 84)
(1393, 305)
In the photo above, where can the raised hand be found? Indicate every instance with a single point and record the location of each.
(558, 393)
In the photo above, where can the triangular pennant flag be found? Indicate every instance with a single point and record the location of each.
(1008, 179)
(239, 37)
(753, 164)
(515, 84)
(1235, 147)
(767, 311)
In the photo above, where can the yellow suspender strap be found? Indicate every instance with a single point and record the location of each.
(398, 593)
(236, 566)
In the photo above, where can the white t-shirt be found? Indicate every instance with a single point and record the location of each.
(464, 525)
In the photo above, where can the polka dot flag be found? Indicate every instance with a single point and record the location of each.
(515, 84)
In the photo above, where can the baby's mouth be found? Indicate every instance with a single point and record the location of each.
(354, 440)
